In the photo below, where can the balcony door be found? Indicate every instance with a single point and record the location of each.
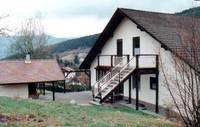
(119, 47)
(120, 90)
(136, 46)
(119, 50)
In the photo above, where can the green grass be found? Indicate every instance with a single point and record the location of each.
(48, 113)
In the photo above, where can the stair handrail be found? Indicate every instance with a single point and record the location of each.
(119, 71)
(123, 57)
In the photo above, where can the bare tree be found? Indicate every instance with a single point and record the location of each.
(3, 29)
(32, 39)
(183, 81)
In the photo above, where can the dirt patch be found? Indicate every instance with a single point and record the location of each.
(7, 118)
(27, 120)
(4, 118)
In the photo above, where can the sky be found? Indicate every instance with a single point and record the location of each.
(75, 18)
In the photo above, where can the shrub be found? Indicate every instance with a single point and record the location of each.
(68, 88)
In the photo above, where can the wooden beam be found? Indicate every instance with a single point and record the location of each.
(129, 99)
(53, 90)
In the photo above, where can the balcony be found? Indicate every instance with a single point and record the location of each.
(142, 61)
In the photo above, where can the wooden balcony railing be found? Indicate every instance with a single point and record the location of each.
(110, 60)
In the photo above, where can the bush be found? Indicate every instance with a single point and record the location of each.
(76, 88)
(68, 88)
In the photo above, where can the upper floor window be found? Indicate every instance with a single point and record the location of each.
(136, 45)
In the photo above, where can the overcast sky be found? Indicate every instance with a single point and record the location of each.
(73, 18)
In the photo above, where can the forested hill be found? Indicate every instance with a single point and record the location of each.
(77, 43)
(189, 12)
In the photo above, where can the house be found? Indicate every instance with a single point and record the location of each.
(124, 61)
(75, 77)
(19, 78)
(70, 76)
(69, 72)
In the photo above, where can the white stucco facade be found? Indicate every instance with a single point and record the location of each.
(19, 91)
(148, 45)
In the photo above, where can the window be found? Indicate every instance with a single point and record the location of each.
(136, 45)
(153, 83)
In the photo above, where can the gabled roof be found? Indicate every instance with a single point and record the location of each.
(165, 28)
(67, 69)
(19, 72)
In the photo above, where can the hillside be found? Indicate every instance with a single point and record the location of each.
(77, 43)
(37, 113)
(189, 12)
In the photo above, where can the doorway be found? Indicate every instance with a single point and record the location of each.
(32, 90)
(120, 90)
(119, 47)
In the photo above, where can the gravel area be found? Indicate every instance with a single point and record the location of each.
(81, 98)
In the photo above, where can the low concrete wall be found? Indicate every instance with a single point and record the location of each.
(20, 90)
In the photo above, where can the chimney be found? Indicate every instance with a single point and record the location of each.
(28, 58)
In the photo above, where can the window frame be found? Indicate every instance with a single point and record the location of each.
(153, 81)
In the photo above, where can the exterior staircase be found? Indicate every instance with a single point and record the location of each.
(103, 88)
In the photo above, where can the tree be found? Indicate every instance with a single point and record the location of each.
(31, 39)
(183, 79)
(76, 60)
(3, 29)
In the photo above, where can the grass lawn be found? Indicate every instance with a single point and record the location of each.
(25, 113)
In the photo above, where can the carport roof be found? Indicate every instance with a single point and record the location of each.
(39, 70)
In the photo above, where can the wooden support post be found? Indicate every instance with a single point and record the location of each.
(157, 85)
(137, 61)
(129, 99)
(111, 60)
(157, 94)
(137, 82)
(98, 61)
(64, 87)
(53, 90)
(43, 87)
(128, 58)
(112, 98)
(137, 91)
(88, 73)
(96, 75)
